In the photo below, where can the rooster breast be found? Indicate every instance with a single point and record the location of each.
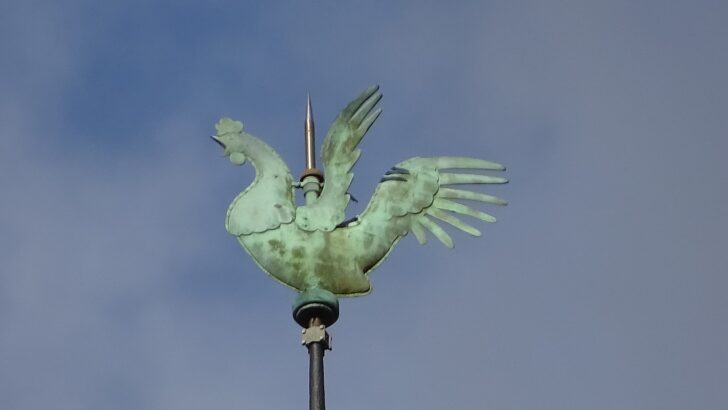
(337, 261)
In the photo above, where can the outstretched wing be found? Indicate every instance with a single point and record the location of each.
(339, 154)
(417, 193)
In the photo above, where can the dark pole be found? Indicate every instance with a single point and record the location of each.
(315, 309)
(316, 394)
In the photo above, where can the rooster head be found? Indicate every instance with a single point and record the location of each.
(230, 137)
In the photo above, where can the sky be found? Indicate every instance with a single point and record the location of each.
(602, 286)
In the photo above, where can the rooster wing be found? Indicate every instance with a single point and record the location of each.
(339, 154)
(416, 193)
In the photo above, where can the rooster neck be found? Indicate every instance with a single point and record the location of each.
(267, 163)
(268, 201)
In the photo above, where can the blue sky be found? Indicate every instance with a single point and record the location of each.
(602, 286)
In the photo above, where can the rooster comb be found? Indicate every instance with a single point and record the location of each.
(227, 125)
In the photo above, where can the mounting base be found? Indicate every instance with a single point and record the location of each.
(315, 304)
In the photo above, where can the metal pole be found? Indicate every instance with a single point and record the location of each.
(317, 340)
(314, 308)
(316, 394)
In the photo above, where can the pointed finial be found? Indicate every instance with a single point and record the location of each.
(310, 136)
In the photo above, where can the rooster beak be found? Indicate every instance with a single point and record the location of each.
(217, 140)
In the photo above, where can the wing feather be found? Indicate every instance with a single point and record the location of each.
(418, 231)
(436, 230)
(449, 205)
(452, 220)
(461, 163)
(451, 179)
(473, 196)
(369, 121)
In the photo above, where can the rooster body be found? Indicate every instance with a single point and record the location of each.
(311, 246)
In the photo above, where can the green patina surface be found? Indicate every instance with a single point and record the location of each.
(309, 246)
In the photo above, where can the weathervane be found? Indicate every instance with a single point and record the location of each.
(313, 248)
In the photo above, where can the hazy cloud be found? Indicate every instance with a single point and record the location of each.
(599, 287)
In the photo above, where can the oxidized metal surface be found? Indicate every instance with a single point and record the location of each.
(310, 246)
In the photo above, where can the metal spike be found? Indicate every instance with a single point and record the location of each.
(310, 136)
